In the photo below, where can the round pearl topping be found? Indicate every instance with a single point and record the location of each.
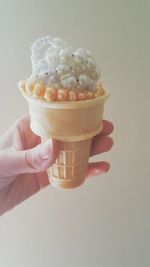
(54, 57)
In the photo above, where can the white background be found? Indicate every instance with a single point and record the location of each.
(104, 223)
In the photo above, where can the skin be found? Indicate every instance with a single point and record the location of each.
(23, 164)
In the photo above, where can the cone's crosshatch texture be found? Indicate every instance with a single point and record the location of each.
(70, 168)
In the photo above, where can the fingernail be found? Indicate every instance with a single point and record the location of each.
(46, 150)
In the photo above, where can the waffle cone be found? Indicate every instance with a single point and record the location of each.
(73, 124)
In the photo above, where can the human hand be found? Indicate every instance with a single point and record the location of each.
(24, 161)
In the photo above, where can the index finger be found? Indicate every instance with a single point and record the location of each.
(107, 128)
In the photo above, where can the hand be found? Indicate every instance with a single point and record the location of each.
(24, 161)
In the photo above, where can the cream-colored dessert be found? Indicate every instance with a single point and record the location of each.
(66, 102)
(61, 73)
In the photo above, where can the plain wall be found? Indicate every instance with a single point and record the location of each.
(105, 222)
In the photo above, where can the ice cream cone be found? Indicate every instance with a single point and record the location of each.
(73, 124)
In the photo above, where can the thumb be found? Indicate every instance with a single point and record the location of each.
(37, 159)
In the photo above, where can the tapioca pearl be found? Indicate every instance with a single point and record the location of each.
(66, 55)
(79, 88)
(66, 52)
(72, 95)
(29, 87)
(66, 60)
(84, 80)
(34, 70)
(59, 42)
(36, 45)
(53, 59)
(50, 94)
(62, 95)
(81, 96)
(51, 72)
(54, 79)
(92, 74)
(69, 82)
(76, 69)
(39, 54)
(91, 64)
(41, 65)
(89, 54)
(89, 95)
(100, 88)
(92, 85)
(83, 69)
(99, 92)
(48, 38)
(34, 60)
(22, 86)
(50, 50)
(41, 41)
(39, 90)
(57, 85)
(43, 75)
(62, 69)
(99, 85)
(34, 78)
(81, 51)
(80, 55)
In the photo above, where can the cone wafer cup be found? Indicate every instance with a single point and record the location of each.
(73, 124)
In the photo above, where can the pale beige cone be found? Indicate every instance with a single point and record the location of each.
(73, 124)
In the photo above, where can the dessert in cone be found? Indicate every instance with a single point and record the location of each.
(73, 124)
(71, 113)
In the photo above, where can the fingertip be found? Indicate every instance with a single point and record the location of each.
(106, 166)
(103, 167)
(98, 168)
(108, 127)
(101, 144)
(105, 143)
